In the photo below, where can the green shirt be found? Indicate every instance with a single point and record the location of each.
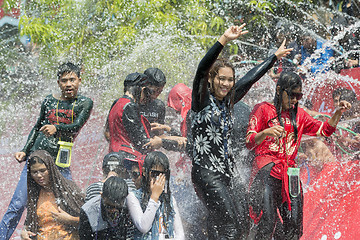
(68, 116)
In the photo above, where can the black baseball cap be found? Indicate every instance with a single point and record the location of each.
(156, 77)
(136, 78)
(113, 160)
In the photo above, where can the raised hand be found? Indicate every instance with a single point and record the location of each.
(157, 187)
(344, 106)
(283, 51)
(232, 33)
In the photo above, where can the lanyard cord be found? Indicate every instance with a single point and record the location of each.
(57, 114)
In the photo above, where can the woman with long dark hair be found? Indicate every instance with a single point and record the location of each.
(153, 209)
(274, 132)
(54, 202)
(213, 96)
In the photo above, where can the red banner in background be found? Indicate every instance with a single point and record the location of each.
(322, 96)
(331, 201)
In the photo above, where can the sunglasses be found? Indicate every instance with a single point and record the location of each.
(135, 174)
(298, 96)
(155, 173)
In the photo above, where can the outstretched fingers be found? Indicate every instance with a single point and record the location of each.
(283, 51)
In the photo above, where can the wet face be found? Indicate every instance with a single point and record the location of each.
(135, 176)
(336, 100)
(155, 92)
(69, 84)
(223, 82)
(149, 93)
(309, 43)
(112, 210)
(290, 98)
(40, 174)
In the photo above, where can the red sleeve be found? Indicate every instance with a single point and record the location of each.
(256, 124)
(313, 127)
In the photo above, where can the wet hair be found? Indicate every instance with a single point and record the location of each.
(153, 159)
(115, 190)
(134, 83)
(68, 195)
(348, 95)
(156, 77)
(214, 71)
(68, 68)
(113, 161)
(288, 81)
(337, 92)
(35, 159)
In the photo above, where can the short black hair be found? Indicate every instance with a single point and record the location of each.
(115, 190)
(68, 68)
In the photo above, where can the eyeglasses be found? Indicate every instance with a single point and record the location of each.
(135, 174)
(155, 173)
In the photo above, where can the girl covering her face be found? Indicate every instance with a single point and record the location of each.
(154, 210)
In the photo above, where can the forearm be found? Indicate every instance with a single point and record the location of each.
(30, 141)
(334, 120)
(200, 92)
(245, 83)
(72, 221)
(142, 220)
(260, 137)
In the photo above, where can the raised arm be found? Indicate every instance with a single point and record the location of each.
(200, 92)
(245, 83)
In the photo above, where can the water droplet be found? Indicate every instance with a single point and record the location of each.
(337, 235)
(324, 237)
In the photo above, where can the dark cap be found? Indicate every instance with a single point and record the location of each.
(113, 160)
(156, 77)
(136, 79)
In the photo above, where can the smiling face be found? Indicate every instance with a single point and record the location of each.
(69, 85)
(40, 174)
(223, 82)
(290, 98)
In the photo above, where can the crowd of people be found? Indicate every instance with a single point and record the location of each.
(134, 200)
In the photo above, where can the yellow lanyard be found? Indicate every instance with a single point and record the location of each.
(57, 114)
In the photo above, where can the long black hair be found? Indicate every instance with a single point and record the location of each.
(287, 82)
(153, 159)
(214, 71)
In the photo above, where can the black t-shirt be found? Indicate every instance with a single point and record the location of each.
(154, 111)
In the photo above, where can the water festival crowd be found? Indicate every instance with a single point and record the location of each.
(135, 200)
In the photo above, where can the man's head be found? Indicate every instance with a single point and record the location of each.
(68, 80)
(113, 195)
(308, 42)
(138, 85)
(114, 162)
(157, 81)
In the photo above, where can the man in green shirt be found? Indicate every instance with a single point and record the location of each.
(61, 118)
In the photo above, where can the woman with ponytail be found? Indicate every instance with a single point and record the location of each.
(274, 132)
